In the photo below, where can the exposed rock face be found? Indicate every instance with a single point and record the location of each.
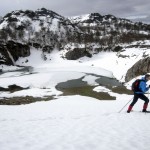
(77, 53)
(11, 51)
(139, 68)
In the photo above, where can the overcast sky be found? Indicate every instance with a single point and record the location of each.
(119, 8)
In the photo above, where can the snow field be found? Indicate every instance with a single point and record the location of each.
(74, 122)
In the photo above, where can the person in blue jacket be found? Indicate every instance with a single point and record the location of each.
(140, 94)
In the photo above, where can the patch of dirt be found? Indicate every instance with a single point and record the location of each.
(121, 90)
(87, 91)
(12, 88)
(23, 100)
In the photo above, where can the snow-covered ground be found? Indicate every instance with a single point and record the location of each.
(72, 122)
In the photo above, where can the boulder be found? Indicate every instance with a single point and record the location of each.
(139, 68)
(77, 53)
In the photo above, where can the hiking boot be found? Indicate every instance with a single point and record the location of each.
(145, 111)
(129, 109)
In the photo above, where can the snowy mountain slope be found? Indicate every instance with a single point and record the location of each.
(43, 26)
(48, 30)
(43, 29)
(97, 18)
(109, 23)
(109, 30)
(74, 122)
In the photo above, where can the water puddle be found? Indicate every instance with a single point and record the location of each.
(80, 87)
(101, 80)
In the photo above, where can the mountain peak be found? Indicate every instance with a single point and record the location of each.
(32, 14)
(46, 12)
(95, 17)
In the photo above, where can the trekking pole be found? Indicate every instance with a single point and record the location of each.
(148, 93)
(125, 105)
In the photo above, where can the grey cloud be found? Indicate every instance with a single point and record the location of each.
(119, 8)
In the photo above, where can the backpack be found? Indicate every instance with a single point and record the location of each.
(135, 85)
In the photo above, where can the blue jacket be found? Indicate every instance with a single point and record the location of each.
(143, 86)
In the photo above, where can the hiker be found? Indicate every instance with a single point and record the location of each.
(139, 93)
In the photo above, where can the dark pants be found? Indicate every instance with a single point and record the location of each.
(141, 96)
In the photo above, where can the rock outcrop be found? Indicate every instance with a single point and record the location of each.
(140, 68)
(77, 53)
(11, 51)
